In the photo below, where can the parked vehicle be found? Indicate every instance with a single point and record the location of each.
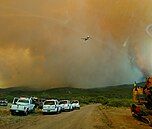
(15, 100)
(66, 105)
(3, 102)
(75, 104)
(22, 105)
(51, 106)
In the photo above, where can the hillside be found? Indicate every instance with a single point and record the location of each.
(112, 95)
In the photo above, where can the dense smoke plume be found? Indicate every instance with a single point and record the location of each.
(41, 46)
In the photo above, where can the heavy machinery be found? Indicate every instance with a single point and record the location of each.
(142, 102)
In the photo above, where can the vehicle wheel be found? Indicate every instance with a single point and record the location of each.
(26, 113)
(12, 113)
(44, 113)
(72, 109)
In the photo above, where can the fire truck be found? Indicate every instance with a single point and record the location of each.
(142, 102)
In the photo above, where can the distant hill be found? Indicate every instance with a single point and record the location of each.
(120, 92)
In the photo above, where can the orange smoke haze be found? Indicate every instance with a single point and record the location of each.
(41, 46)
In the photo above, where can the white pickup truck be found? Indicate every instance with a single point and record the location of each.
(51, 106)
(66, 105)
(75, 104)
(22, 105)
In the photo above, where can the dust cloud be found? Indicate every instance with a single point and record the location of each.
(41, 45)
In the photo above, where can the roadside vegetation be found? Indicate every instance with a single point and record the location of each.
(117, 96)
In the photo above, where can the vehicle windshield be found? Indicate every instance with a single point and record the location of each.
(63, 102)
(75, 101)
(23, 101)
(49, 103)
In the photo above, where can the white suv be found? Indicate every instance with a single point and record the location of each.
(22, 105)
(75, 104)
(51, 106)
(66, 105)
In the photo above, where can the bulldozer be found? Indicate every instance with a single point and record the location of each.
(142, 102)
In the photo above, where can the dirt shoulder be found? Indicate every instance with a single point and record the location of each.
(120, 118)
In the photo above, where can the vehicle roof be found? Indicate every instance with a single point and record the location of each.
(23, 98)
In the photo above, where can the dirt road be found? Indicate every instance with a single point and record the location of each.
(88, 117)
(78, 119)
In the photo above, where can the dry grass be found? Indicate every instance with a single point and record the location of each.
(7, 120)
(4, 112)
(120, 118)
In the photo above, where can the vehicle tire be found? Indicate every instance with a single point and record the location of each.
(26, 113)
(13, 113)
(44, 113)
(71, 108)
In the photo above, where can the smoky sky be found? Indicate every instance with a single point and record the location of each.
(41, 45)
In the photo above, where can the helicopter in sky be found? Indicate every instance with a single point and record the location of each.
(86, 38)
